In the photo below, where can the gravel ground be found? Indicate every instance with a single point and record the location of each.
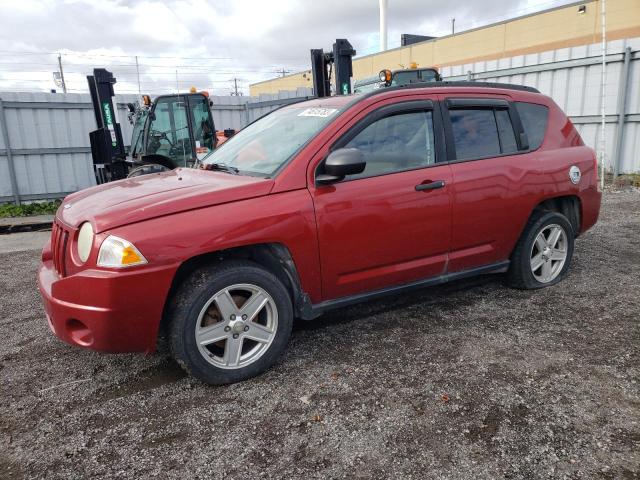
(470, 380)
(18, 242)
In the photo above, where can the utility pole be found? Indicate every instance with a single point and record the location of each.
(283, 72)
(138, 74)
(235, 83)
(64, 84)
(453, 26)
(383, 25)
(603, 135)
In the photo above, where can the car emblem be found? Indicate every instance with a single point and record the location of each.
(67, 206)
(575, 174)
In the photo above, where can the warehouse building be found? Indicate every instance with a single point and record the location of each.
(571, 25)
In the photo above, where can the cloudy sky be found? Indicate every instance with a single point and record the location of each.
(209, 43)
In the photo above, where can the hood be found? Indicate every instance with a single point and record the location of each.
(140, 198)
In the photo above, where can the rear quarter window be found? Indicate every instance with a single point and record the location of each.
(534, 119)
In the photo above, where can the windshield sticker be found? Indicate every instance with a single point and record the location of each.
(317, 112)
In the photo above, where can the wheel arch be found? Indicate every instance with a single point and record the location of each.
(274, 257)
(568, 205)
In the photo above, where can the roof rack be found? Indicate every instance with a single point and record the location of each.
(464, 83)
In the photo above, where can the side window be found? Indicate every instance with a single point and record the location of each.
(534, 121)
(475, 133)
(505, 129)
(399, 142)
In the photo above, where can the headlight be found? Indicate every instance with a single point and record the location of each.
(85, 241)
(117, 253)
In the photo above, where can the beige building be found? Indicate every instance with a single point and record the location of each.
(560, 27)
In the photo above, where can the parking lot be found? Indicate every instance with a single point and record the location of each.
(469, 380)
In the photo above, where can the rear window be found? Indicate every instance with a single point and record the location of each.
(534, 121)
(475, 133)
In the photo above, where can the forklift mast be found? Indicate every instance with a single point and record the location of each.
(322, 65)
(107, 148)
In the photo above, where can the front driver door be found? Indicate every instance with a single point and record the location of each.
(389, 225)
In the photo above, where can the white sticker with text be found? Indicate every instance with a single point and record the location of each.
(317, 112)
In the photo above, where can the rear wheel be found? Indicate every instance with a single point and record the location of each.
(230, 322)
(543, 253)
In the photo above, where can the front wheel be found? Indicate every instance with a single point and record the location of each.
(230, 322)
(543, 253)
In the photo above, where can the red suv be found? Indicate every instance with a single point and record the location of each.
(315, 206)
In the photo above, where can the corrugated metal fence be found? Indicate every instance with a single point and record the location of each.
(44, 146)
(44, 141)
(572, 77)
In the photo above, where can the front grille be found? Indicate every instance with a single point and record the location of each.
(59, 239)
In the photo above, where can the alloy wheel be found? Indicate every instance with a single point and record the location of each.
(236, 326)
(548, 253)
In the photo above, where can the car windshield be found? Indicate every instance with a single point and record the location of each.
(406, 77)
(366, 85)
(264, 146)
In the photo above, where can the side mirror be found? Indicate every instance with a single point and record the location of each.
(524, 141)
(339, 164)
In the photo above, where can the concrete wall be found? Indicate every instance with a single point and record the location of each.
(557, 28)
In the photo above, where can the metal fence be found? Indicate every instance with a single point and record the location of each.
(44, 141)
(44, 146)
(572, 77)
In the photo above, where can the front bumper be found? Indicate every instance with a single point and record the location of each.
(109, 311)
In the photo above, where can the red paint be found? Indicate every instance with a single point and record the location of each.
(347, 238)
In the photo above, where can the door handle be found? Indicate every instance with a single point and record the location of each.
(430, 185)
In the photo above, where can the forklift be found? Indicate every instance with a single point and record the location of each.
(172, 131)
(340, 60)
(394, 78)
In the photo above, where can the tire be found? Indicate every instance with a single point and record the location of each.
(531, 249)
(215, 340)
(146, 170)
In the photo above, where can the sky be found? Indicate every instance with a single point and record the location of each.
(210, 44)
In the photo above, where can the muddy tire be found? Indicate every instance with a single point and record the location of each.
(229, 322)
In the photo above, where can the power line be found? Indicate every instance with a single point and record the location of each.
(106, 55)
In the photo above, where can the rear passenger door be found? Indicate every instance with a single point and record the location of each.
(494, 177)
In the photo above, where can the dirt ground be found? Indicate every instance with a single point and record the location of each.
(470, 380)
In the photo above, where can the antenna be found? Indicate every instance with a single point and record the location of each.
(62, 84)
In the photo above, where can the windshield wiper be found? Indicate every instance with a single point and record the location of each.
(221, 167)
